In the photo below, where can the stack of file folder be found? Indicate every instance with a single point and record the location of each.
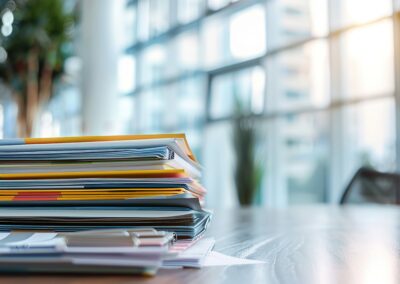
(72, 184)
(134, 251)
(112, 251)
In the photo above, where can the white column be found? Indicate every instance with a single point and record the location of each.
(100, 29)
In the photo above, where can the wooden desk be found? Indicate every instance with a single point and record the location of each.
(299, 245)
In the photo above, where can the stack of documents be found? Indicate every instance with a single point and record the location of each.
(135, 251)
(114, 251)
(101, 182)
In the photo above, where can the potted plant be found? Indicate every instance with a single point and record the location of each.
(36, 40)
(248, 170)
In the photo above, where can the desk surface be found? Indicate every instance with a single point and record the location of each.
(298, 245)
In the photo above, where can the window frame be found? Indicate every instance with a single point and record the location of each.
(332, 37)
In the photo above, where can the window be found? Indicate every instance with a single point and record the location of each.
(130, 17)
(153, 65)
(62, 116)
(302, 157)
(126, 74)
(143, 23)
(317, 77)
(215, 42)
(367, 60)
(239, 38)
(291, 21)
(247, 33)
(188, 52)
(189, 10)
(299, 77)
(350, 12)
(369, 132)
(241, 91)
(191, 103)
(217, 4)
(124, 115)
(190, 109)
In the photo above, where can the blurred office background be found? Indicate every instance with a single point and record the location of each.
(318, 80)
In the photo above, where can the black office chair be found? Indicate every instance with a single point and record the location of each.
(370, 186)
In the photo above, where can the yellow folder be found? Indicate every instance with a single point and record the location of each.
(98, 174)
(91, 190)
(73, 139)
(95, 196)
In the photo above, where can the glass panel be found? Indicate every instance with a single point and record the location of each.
(247, 86)
(369, 136)
(130, 17)
(170, 97)
(222, 97)
(190, 103)
(172, 58)
(290, 21)
(299, 77)
(153, 18)
(220, 159)
(189, 10)
(160, 16)
(367, 60)
(218, 162)
(126, 74)
(153, 65)
(215, 40)
(151, 111)
(348, 12)
(49, 126)
(62, 116)
(190, 111)
(158, 62)
(240, 38)
(302, 157)
(188, 52)
(155, 103)
(124, 116)
(143, 20)
(158, 109)
(141, 123)
(247, 33)
(217, 4)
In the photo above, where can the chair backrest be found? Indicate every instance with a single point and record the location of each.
(370, 186)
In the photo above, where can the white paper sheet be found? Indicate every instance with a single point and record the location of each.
(194, 256)
(200, 255)
(34, 239)
(215, 258)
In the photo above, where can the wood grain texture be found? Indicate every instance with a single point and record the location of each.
(299, 245)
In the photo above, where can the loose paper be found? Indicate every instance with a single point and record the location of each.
(215, 258)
